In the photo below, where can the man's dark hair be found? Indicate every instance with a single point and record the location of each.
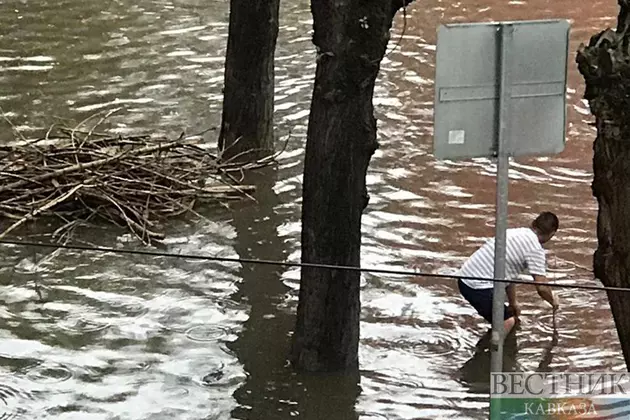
(546, 223)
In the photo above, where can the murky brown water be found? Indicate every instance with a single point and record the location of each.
(154, 338)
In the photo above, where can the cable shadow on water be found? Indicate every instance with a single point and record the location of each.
(272, 389)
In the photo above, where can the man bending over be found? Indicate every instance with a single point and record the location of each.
(524, 254)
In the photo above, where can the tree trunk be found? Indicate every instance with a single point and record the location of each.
(248, 94)
(606, 71)
(351, 37)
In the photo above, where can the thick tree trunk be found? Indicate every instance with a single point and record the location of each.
(606, 70)
(248, 94)
(351, 37)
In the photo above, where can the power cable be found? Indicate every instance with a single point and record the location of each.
(301, 264)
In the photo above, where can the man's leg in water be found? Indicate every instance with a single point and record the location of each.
(508, 324)
(481, 300)
(509, 319)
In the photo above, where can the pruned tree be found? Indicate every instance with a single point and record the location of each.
(351, 37)
(605, 66)
(248, 93)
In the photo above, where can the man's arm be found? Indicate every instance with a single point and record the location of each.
(544, 291)
(536, 263)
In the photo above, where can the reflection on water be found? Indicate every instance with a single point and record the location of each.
(130, 337)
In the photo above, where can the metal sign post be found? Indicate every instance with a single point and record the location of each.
(483, 72)
(498, 300)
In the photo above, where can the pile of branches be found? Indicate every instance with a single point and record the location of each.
(78, 174)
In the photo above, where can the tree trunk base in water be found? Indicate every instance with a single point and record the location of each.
(351, 37)
(605, 66)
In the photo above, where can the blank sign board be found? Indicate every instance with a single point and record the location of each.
(467, 89)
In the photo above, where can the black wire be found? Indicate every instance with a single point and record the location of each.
(290, 264)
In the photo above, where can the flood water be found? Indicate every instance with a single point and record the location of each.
(132, 337)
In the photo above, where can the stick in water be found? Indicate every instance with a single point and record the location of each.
(554, 338)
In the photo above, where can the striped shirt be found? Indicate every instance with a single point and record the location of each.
(524, 254)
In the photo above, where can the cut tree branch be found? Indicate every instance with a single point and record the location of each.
(138, 180)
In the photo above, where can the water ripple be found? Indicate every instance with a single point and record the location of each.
(127, 337)
(47, 373)
(84, 324)
(203, 333)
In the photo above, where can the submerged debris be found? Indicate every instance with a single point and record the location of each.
(78, 174)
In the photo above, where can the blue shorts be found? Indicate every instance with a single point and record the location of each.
(481, 300)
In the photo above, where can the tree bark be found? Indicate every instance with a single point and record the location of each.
(605, 66)
(248, 94)
(351, 38)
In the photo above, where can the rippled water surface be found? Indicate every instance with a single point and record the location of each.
(131, 337)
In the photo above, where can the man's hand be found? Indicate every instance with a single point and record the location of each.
(545, 291)
(556, 303)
